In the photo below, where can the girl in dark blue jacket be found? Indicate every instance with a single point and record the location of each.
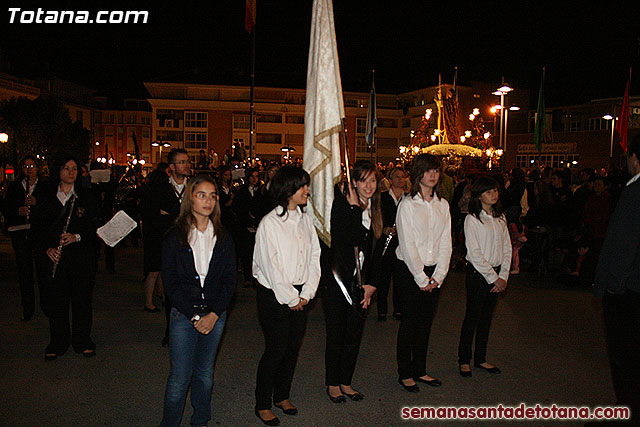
(199, 275)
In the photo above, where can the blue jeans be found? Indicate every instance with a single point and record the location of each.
(192, 357)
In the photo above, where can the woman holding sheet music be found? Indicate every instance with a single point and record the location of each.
(64, 229)
(351, 277)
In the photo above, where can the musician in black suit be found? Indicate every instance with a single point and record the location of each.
(22, 196)
(356, 222)
(64, 232)
(618, 282)
(389, 201)
(246, 205)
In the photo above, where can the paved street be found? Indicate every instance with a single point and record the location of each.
(547, 339)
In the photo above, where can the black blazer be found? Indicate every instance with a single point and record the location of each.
(158, 196)
(389, 210)
(619, 264)
(181, 280)
(347, 232)
(15, 198)
(48, 219)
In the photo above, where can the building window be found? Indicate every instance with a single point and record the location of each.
(597, 123)
(146, 132)
(195, 139)
(269, 138)
(406, 123)
(79, 116)
(387, 123)
(573, 126)
(548, 160)
(241, 121)
(270, 118)
(361, 125)
(299, 120)
(362, 147)
(195, 119)
(108, 131)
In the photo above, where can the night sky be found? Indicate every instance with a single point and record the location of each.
(587, 51)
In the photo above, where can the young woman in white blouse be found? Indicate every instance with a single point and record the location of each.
(286, 264)
(424, 253)
(489, 255)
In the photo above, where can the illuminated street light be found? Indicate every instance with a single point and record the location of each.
(4, 137)
(613, 123)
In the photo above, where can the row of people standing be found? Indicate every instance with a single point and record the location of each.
(350, 275)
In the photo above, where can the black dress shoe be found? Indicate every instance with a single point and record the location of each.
(410, 388)
(89, 353)
(165, 341)
(465, 374)
(433, 383)
(272, 422)
(290, 411)
(336, 399)
(356, 397)
(397, 316)
(494, 370)
(382, 317)
(151, 310)
(50, 356)
(26, 317)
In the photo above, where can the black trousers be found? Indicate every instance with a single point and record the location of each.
(387, 272)
(622, 323)
(344, 332)
(283, 332)
(477, 320)
(69, 288)
(418, 309)
(23, 249)
(246, 243)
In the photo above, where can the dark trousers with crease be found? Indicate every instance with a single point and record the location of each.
(477, 321)
(283, 332)
(386, 273)
(418, 309)
(23, 248)
(622, 324)
(344, 333)
(70, 289)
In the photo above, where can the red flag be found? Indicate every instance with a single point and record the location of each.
(250, 15)
(624, 119)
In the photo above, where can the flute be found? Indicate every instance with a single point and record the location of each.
(386, 242)
(64, 230)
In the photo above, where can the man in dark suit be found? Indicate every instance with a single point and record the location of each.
(247, 208)
(389, 201)
(618, 281)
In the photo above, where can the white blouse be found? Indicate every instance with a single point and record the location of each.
(202, 244)
(488, 245)
(424, 237)
(287, 253)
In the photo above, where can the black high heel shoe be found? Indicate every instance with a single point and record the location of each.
(356, 397)
(410, 388)
(337, 399)
(272, 422)
(465, 374)
(290, 411)
(433, 383)
(494, 370)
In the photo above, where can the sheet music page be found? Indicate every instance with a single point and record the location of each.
(117, 228)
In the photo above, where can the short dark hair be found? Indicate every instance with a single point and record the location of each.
(171, 158)
(479, 186)
(421, 164)
(285, 183)
(23, 160)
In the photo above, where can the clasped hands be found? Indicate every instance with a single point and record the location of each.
(206, 323)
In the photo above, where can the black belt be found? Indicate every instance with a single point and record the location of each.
(202, 308)
(473, 269)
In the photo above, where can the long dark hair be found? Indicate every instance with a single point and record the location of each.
(361, 170)
(480, 185)
(421, 164)
(285, 183)
(186, 220)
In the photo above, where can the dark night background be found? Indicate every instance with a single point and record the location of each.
(587, 50)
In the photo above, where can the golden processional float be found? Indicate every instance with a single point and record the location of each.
(471, 148)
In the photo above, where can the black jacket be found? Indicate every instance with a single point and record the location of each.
(347, 232)
(15, 198)
(181, 280)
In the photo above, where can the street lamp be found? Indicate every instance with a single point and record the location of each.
(287, 149)
(160, 145)
(501, 92)
(4, 137)
(613, 123)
